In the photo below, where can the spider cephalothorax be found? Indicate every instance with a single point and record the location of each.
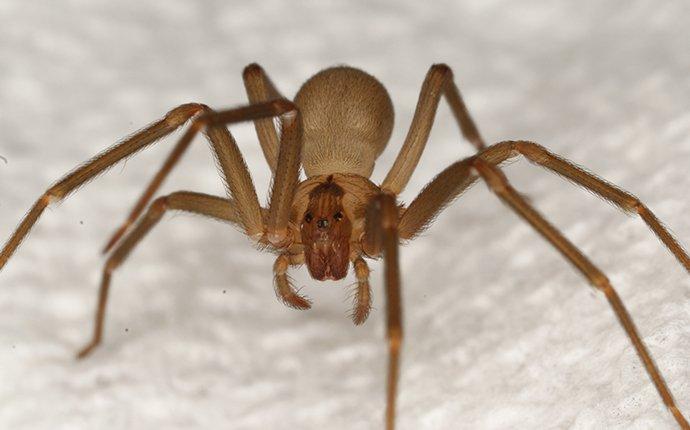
(325, 233)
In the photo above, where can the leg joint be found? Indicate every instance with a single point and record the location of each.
(281, 265)
(361, 270)
(159, 206)
(442, 69)
(285, 108)
(492, 175)
(395, 338)
(601, 282)
(53, 195)
(532, 151)
(252, 70)
(110, 266)
(182, 113)
(640, 207)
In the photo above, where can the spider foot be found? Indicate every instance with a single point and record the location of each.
(87, 350)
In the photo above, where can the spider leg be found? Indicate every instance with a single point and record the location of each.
(259, 89)
(498, 183)
(140, 140)
(452, 181)
(197, 203)
(178, 150)
(286, 176)
(435, 196)
(381, 235)
(235, 172)
(626, 201)
(438, 81)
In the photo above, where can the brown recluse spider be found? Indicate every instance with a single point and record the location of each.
(335, 128)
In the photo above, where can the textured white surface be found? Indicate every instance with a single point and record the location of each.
(501, 333)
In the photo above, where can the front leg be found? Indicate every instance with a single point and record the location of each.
(83, 174)
(286, 176)
(381, 236)
(260, 89)
(234, 170)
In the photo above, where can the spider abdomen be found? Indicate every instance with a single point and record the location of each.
(348, 119)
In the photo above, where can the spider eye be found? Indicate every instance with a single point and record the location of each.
(308, 217)
(338, 216)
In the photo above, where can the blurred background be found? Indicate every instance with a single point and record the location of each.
(501, 332)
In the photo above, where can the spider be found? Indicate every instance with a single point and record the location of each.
(335, 128)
